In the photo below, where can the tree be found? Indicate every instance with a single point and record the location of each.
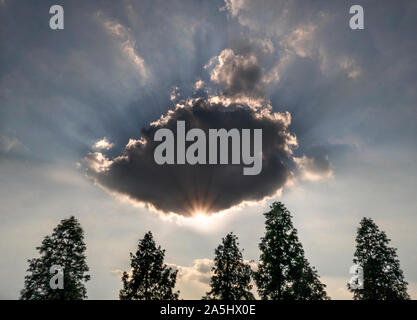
(150, 278)
(64, 248)
(283, 271)
(383, 278)
(231, 275)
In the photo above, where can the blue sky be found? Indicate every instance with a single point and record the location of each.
(117, 67)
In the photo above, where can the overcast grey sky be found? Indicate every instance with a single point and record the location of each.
(348, 97)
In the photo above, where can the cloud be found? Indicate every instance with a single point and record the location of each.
(314, 168)
(194, 281)
(239, 101)
(198, 85)
(301, 40)
(302, 31)
(103, 144)
(187, 189)
(117, 272)
(238, 75)
(97, 162)
(200, 271)
(351, 68)
(127, 44)
(234, 6)
(175, 94)
(9, 144)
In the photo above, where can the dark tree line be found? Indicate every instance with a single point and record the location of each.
(283, 272)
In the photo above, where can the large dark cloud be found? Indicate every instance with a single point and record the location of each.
(237, 100)
(186, 189)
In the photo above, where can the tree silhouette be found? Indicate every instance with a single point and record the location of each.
(65, 248)
(150, 278)
(383, 278)
(283, 271)
(231, 275)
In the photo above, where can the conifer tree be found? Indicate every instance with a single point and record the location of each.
(283, 271)
(231, 275)
(64, 248)
(382, 275)
(150, 278)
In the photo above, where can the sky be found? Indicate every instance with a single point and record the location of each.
(79, 108)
